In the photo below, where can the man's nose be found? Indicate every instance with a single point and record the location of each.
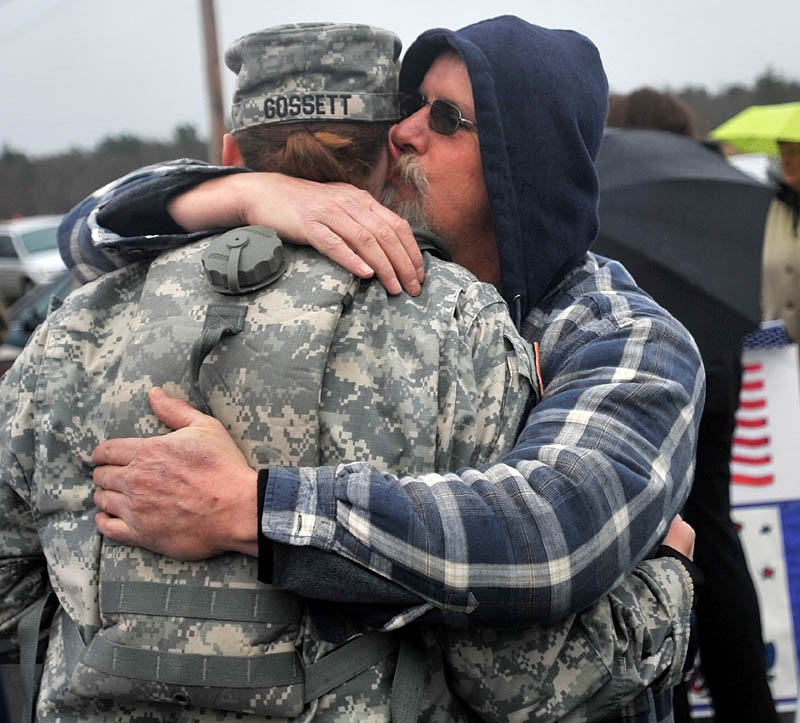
(410, 134)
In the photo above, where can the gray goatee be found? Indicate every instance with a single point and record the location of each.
(412, 210)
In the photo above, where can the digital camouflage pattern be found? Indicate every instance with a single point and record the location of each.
(585, 668)
(84, 378)
(314, 71)
(408, 382)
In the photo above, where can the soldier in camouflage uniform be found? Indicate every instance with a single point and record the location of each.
(137, 636)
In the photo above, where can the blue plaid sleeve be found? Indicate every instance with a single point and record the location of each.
(127, 221)
(602, 465)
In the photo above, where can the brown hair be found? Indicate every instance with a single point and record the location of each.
(649, 108)
(321, 151)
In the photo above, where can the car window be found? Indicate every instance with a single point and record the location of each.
(7, 248)
(42, 240)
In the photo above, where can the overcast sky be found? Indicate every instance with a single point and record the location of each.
(74, 71)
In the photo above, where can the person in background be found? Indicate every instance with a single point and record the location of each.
(780, 287)
(650, 108)
(734, 665)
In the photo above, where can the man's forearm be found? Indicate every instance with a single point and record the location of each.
(128, 221)
(218, 203)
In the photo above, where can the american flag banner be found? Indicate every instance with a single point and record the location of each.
(752, 460)
(765, 459)
(765, 495)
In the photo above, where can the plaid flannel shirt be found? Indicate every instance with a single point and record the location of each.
(602, 464)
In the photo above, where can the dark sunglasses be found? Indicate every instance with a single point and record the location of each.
(444, 117)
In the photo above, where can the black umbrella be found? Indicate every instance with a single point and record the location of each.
(688, 226)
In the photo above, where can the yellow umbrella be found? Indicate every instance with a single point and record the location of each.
(758, 129)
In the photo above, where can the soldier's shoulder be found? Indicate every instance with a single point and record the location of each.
(474, 302)
(100, 298)
(445, 278)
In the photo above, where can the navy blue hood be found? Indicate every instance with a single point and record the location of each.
(541, 98)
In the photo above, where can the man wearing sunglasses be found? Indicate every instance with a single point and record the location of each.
(497, 157)
(444, 118)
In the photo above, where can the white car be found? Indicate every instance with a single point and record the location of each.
(28, 254)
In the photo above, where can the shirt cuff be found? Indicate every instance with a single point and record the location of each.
(691, 568)
(265, 570)
(300, 506)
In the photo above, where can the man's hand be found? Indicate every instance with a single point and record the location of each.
(189, 494)
(681, 537)
(342, 222)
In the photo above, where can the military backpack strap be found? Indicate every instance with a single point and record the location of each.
(346, 662)
(219, 671)
(30, 630)
(221, 320)
(409, 680)
(277, 669)
(267, 604)
(359, 655)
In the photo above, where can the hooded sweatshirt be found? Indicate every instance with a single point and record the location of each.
(538, 143)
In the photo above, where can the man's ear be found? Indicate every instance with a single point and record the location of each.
(230, 151)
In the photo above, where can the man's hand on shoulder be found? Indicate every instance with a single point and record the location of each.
(189, 494)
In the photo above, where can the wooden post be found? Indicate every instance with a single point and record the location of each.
(217, 126)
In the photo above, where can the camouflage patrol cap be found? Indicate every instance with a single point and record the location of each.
(314, 71)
